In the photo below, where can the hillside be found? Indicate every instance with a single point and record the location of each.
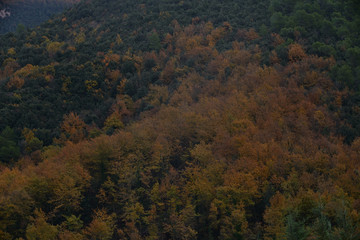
(182, 120)
(29, 13)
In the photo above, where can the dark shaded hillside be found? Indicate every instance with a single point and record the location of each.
(75, 47)
(29, 13)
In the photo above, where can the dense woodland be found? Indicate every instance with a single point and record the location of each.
(183, 120)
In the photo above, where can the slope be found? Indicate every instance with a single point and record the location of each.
(73, 47)
(236, 151)
(29, 13)
(172, 122)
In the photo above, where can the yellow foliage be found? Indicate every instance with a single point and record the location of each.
(119, 41)
(113, 122)
(80, 38)
(101, 227)
(90, 85)
(53, 47)
(274, 218)
(39, 229)
(11, 51)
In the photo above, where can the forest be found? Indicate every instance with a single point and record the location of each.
(182, 120)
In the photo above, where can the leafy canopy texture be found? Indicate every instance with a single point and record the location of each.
(182, 120)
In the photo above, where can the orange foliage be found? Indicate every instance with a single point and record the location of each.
(277, 39)
(15, 82)
(229, 137)
(73, 128)
(296, 52)
(248, 35)
(168, 73)
(274, 218)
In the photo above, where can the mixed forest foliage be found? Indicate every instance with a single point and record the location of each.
(182, 120)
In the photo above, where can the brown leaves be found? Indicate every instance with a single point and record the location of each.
(224, 134)
(167, 74)
(73, 129)
(248, 35)
(15, 82)
(274, 217)
(29, 72)
(296, 52)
